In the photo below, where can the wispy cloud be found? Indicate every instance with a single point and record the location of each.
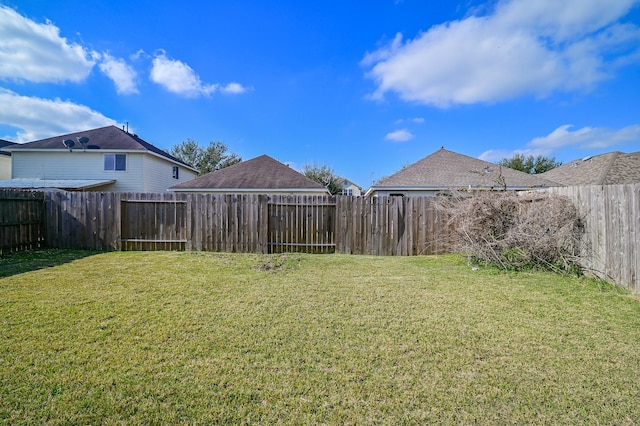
(39, 118)
(179, 78)
(519, 48)
(234, 88)
(123, 75)
(585, 138)
(36, 52)
(401, 135)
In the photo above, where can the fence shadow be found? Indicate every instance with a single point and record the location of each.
(28, 261)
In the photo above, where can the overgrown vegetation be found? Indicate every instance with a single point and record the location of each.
(213, 338)
(516, 231)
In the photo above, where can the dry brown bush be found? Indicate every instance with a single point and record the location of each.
(516, 230)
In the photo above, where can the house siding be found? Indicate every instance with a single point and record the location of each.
(90, 165)
(5, 167)
(158, 174)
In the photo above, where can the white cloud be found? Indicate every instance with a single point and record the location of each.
(521, 47)
(178, 77)
(234, 88)
(495, 155)
(587, 137)
(122, 74)
(39, 118)
(36, 52)
(401, 135)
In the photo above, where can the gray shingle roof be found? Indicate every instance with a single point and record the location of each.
(103, 138)
(262, 172)
(605, 169)
(447, 169)
(5, 144)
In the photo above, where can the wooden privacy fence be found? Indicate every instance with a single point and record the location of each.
(22, 221)
(246, 223)
(611, 213)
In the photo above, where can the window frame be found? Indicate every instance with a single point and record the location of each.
(111, 162)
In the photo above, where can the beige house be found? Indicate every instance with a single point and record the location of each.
(260, 175)
(612, 168)
(445, 171)
(103, 159)
(5, 159)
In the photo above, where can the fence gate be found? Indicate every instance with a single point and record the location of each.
(154, 224)
(303, 224)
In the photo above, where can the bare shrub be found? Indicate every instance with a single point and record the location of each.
(516, 230)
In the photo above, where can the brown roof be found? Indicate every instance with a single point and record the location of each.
(262, 172)
(447, 169)
(103, 138)
(606, 169)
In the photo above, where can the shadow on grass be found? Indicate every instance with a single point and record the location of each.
(21, 262)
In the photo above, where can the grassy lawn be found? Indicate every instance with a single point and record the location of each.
(207, 338)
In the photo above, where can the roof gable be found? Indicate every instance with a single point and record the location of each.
(109, 138)
(262, 172)
(5, 144)
(611, 168)
(447, 169)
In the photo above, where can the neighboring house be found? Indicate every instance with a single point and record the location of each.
(5, 159)
(606, 169)
(104, 159)
(349, 188)
(260, 175)
(444, 171)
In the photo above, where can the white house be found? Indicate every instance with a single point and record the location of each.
(350, 188)
(5, 159)
(103, 159)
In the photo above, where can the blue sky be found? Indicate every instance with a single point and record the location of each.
(363, 87)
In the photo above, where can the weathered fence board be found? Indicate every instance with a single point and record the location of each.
(611, 248)
(89, 220)
(22, 221)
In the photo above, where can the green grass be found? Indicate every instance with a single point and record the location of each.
(206, 338)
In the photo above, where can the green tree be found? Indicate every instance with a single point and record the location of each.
(205, 160)
(530, 164)
(324, 175)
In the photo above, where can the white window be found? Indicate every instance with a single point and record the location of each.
(347, 192)
(115, 162)
(175, 172)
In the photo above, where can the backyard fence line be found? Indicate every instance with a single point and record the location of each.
(249, 223)
(22, 221)
(612, 231)
(254, 223)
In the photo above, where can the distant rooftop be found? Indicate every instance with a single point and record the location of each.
(110, 138)
(606, 169)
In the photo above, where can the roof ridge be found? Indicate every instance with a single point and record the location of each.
(607, 168)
